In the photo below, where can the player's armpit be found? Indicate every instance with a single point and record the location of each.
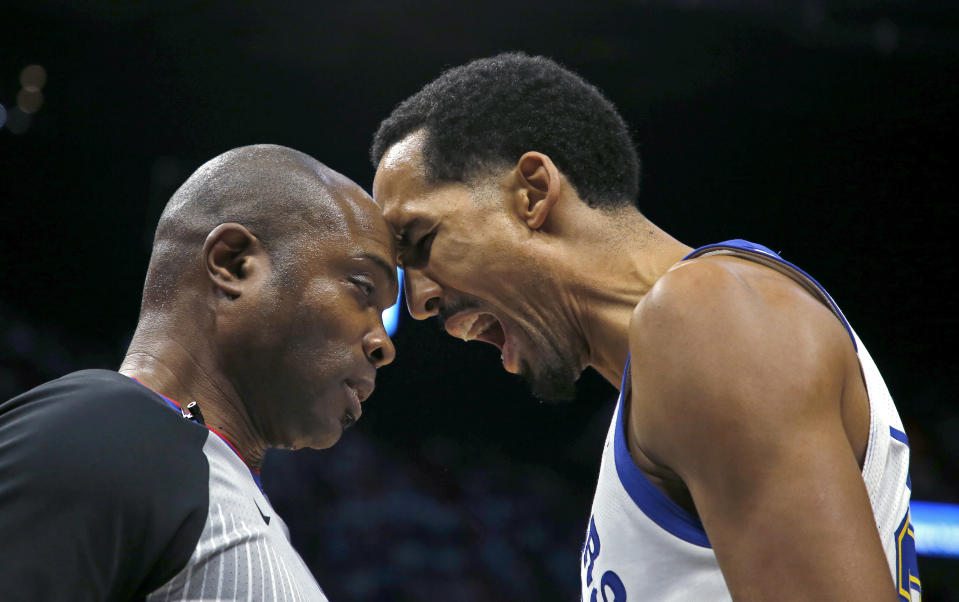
(736, 387)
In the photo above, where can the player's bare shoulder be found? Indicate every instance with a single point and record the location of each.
(722, 337)
(718, 301)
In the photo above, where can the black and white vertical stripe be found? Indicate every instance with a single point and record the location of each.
(240, 556)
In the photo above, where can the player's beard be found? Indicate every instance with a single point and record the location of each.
(554, 375)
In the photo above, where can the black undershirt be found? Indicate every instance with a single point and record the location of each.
(103, 490)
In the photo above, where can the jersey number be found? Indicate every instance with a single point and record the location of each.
(907, 571)
(610, 581)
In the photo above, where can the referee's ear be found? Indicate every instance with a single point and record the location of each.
(232, 255)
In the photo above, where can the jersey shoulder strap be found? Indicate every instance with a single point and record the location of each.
(766, 256)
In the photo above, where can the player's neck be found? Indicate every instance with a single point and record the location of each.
(171, 368)
(617, 273)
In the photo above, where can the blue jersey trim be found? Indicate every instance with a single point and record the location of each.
(898, 435)
(654, 503)
(736, 243)
(751, 247)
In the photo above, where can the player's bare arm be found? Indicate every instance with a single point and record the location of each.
(747, 390)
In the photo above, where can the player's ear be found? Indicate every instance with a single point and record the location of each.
(538, 188)
(233, 257)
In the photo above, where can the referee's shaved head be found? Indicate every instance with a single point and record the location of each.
(282, 196)
(266, 284)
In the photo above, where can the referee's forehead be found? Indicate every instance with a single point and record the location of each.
(353, 224)
(357, 212)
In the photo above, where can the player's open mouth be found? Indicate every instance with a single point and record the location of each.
(484, 327)
(477, 327)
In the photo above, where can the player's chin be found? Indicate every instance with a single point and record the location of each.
(551, 383)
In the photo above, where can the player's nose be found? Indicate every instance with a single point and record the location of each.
(422, 294)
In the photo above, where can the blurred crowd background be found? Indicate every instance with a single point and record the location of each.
(825, 129)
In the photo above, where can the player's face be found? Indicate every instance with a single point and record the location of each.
(319, 334)
(466, 262)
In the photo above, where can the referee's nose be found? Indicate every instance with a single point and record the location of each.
(378, 346)
(422, 294)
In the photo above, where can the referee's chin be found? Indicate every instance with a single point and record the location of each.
(323, 434)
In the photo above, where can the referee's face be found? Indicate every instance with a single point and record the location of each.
(317, 337)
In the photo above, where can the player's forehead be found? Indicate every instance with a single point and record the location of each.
(401, 176)
(407, 152)
(409, 207)
(408, 198)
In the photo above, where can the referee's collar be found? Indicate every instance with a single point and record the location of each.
(175, 406)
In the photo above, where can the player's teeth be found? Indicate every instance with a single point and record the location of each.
(479, 326)
(466, 328)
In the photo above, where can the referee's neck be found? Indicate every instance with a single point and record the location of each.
(169, 369)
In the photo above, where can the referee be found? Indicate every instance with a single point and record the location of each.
(259, 327)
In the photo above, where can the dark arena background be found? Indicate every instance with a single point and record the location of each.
(825, 129)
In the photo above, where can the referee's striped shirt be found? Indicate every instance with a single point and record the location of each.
(108, 494)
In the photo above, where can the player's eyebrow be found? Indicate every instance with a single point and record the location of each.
(403, 233)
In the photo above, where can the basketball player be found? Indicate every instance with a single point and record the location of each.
(755, 452)
(260, 327)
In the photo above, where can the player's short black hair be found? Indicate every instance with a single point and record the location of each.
(485, 114)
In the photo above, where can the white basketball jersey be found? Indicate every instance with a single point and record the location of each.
(640, 545)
